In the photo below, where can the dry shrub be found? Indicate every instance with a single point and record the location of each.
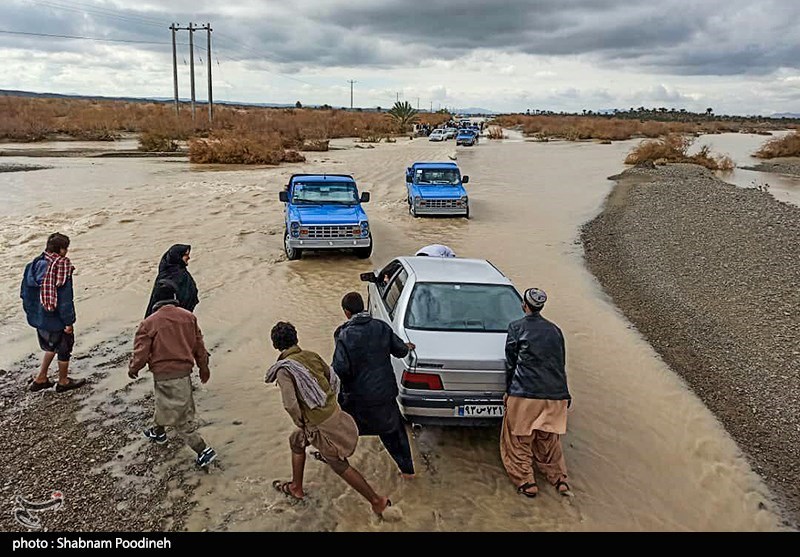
(786, 146)
(674, 148)
(157, 142)
(495, 132)
(239, 148)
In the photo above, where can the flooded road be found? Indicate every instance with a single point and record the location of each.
(642, 451)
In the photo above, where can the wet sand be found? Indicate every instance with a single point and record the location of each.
(643, 451)
(709, 273)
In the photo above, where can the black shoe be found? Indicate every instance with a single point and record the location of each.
(154, 436)
(36, 387)
(71, 384)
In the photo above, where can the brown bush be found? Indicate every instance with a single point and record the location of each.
(786, 146)
(674, 148)
(157, 142)
(238, 148)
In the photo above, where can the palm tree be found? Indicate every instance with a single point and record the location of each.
(403, 114)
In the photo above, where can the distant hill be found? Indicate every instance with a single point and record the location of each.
(785, 115)
(475, 110)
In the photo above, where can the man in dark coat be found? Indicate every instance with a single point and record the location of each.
(173, 267)
(47, 299)
(362, 360)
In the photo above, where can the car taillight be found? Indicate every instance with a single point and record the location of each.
(425, 381)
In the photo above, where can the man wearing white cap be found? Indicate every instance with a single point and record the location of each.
(536, 400)
(436, 250)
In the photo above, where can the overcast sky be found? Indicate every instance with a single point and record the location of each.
(736, 56)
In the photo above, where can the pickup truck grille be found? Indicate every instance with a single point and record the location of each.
(442, 203)
(327, 232)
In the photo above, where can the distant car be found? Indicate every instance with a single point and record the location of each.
(437, 135)
(456, 311)
(436, 188)
(466, 137)
(323, 211)
(451, 133)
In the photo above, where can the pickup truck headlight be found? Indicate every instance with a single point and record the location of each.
(294, 229)
(364, 229)
(464, 199)
(417, 199)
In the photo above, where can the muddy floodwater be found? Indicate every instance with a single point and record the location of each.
(642, 451)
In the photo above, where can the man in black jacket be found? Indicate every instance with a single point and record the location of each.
(362, 360)
(536, 400)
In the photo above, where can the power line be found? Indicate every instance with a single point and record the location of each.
(97, 11)
(4, 31)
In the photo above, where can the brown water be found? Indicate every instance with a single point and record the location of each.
(642, 451)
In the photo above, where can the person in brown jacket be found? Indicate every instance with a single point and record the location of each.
(169, 342)
(308, 388)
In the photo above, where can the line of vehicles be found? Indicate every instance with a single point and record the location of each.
(455, 310)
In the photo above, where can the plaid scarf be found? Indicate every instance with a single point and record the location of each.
(307, 386)
(59, 271)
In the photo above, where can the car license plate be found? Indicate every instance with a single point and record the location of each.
(479, 411)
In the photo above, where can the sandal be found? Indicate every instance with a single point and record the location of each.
(284, 487)
(71, 384)
(565, 492)
(523, 490)
(35, 386)
(388, 504)
(318, 456)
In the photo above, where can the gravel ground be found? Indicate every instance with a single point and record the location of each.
(710, 274)
(111, 477)
(788, 165)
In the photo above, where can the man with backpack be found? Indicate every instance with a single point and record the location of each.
(47, 299)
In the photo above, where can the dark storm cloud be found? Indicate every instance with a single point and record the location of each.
(713, 37)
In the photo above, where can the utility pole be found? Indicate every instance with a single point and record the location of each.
(398, 96)
(210, 92)
(351, 93)
(431, 106)
(173, 27)
(191, 64)
(417, 104)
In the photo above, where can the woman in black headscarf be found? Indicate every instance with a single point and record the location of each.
(173, 268)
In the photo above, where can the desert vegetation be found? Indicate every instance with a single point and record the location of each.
(675, 148)
(627, 125)
(786, 146)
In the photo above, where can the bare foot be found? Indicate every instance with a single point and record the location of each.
(407, 476)
(382, 504)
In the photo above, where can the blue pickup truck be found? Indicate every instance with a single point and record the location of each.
(436, 188)
(323, 211)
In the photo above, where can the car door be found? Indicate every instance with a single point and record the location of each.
(377, 303)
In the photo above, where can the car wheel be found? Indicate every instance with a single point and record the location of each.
(364, 253)
(413, 210)
(466, 215)
(292, 254)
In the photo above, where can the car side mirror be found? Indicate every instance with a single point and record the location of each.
(364, 196)
(409, 178)
(284, 196)
(369, 277)
(465, 179)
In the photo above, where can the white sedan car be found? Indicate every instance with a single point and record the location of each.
(456, 311)
(437, 135)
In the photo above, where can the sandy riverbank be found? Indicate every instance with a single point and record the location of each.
(710, 274)
(787, 165)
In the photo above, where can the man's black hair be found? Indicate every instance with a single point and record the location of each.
(353, 302)
(284, 336)
(56, 242)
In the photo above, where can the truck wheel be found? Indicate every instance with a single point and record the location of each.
(292, 254)
(466, 215)
(364, 253)
(413, 210)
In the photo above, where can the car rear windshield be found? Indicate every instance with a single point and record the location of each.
(446, 176)
(487, 308)
(317, 193)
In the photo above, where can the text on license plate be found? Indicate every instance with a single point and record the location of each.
(479, 410)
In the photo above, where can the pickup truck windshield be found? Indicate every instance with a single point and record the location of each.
(445, 176)
(324, 193)
(486, 308)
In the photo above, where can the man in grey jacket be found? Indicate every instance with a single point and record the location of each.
(536, 400)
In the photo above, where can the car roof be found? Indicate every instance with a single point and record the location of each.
(322, 177)
(454, 269)
(434, 165)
